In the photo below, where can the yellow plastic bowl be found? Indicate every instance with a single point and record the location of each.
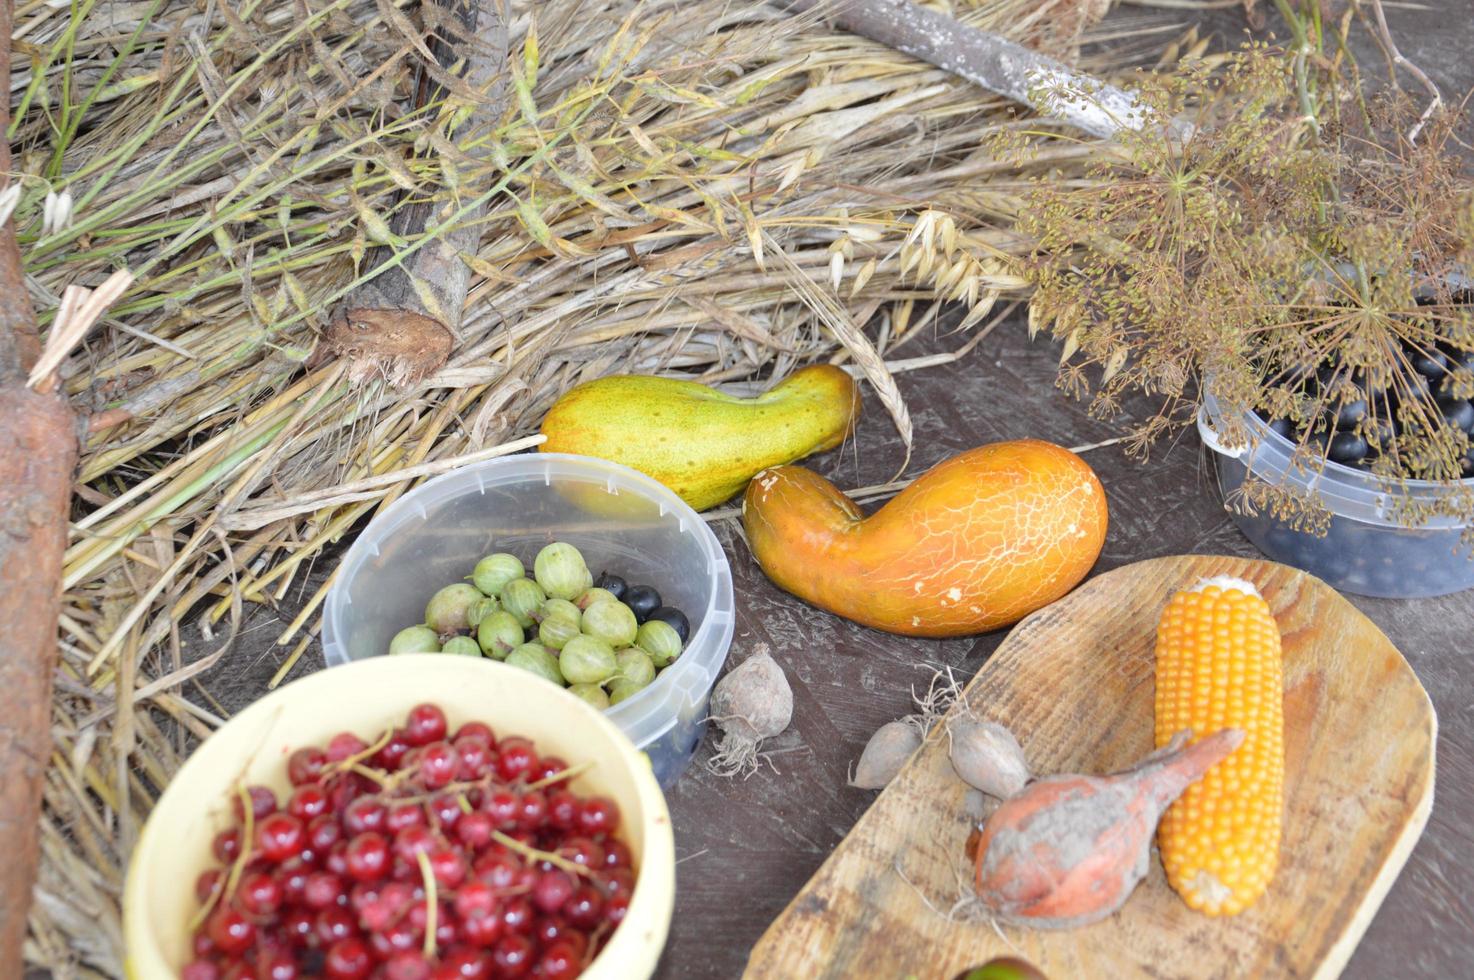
(365, 698)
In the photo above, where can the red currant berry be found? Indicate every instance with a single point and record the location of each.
(200, 970)
(298, 927)
(367, 857)
(438, 764)
(578, 940)
(391, 756)
(227, 845)
(475, 758)
(203, 945)
(322, 890)
(584, 908)
(407, 966)
(474, 899)
(333, 924)
(206, 883)
(497, 870)
(512, 956)
(465, 964)
(517, 915)
(548, 767)
(401, 937)
(481, 930)
(474, 830)
(305, 766)
(230, 931)
(425, 724)
(615, 909)
(448, 866)
(553, 888)
(583, 852)
(344, 745)
(548, 929)
(336, 859)
(617, 881)
(559, 962)
(364, 814)
(281, 836)
(562, 810)
(532, 810)
(476, 729)
(412, 840)
(259, 895)
(445, 927)
(276, 966)
(446, 809)
(347, 959)
(402, 815)
(263, 801)
(502, 807)
(342, 790)
(598, 815)
(323, 831)
(515, 757)
(617, 855)
(307, 802)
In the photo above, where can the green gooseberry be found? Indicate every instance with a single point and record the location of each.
(592, 693)
(612, 622)
(521, 597)
(464, 646)
(622, 690)
(447, 610)
(415, 639)
(499, 634)
(560, 570)
(493, 572)
(560, 609)
(537, 659)
(634, 665)
(555, 631)
(659, 639)
(480, 609)
(585, 660)
(588, 597)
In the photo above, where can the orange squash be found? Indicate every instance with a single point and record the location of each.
(977, 542)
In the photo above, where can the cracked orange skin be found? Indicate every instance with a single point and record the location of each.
(977, 542)
(703, 444)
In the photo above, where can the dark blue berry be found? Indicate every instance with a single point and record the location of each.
(642, 600)
(676, 618)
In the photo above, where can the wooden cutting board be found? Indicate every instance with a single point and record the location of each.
(1075, 683)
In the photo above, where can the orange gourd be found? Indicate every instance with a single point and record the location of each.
(977, 542)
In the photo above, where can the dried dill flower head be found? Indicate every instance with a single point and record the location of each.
(1303, 267)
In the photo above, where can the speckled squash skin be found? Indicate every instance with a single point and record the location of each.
(977, 542)
(703, 444)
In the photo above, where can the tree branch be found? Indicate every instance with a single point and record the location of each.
(38, 452)
(993, 62)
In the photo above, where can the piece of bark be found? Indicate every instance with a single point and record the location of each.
(38, 453)
(989, 60)
(420, 301)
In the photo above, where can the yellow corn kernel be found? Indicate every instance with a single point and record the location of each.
(1218, 666)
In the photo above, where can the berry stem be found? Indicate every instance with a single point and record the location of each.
(533, 854)
(432, 905)
(558, 777)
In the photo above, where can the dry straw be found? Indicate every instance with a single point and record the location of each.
(703, 186)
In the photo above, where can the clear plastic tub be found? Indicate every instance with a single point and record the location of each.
(1366, 551)
(621, 520)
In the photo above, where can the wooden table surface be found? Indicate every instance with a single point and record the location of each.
(745, 847)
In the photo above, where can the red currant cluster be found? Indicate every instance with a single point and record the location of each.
(424, 856)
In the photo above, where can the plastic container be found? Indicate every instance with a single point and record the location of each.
(621, 520)
(1366, 551)
(365, 698)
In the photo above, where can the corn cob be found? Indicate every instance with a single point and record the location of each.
(1218, 666)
